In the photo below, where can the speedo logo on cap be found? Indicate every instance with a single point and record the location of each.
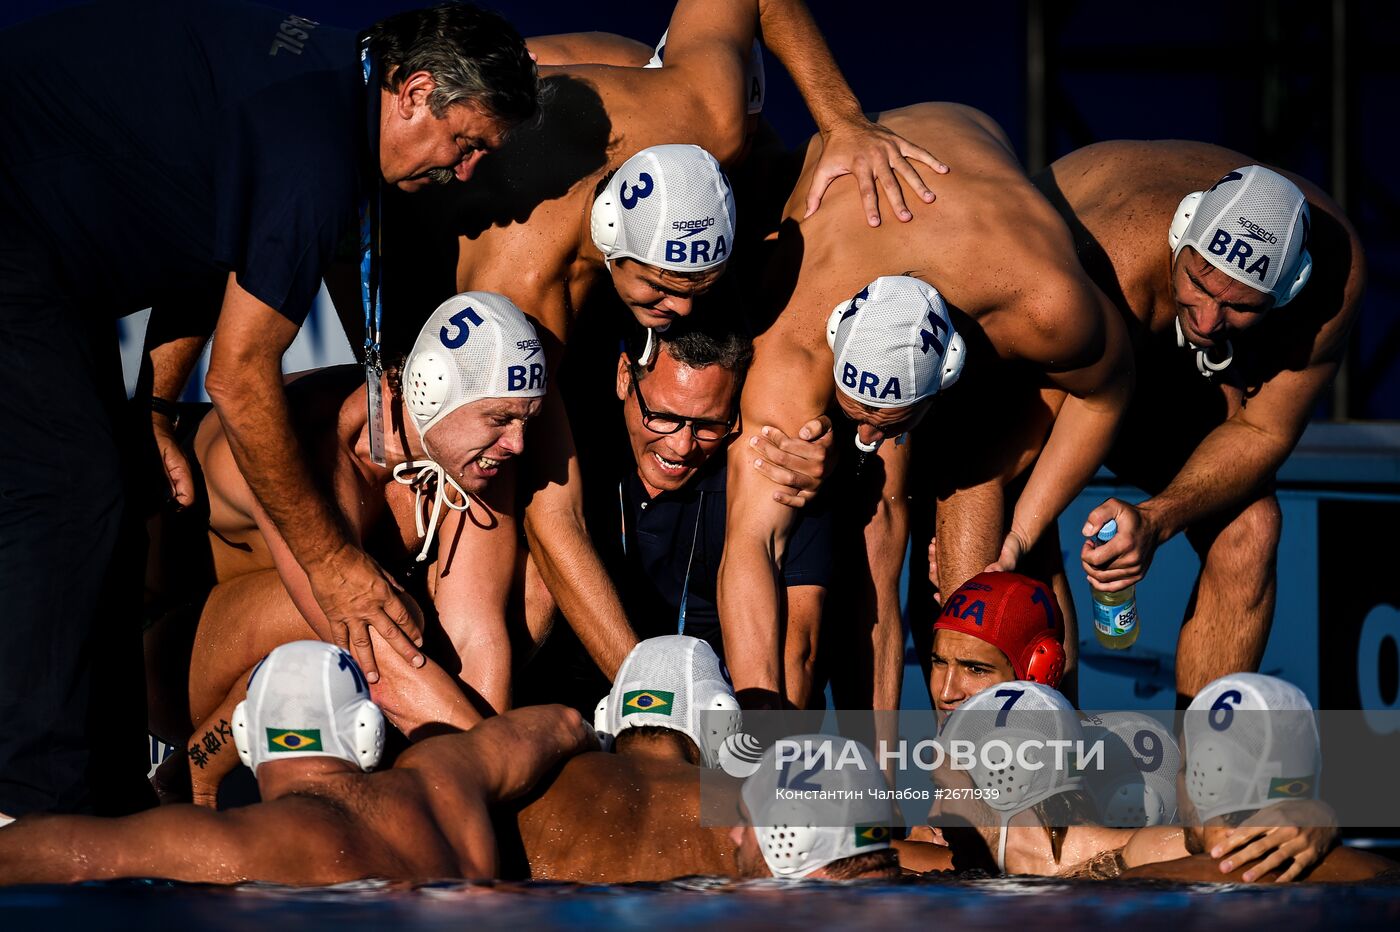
(1255, 231)
(655, 701)
(280, 741)
(532, 345)
(688, 228)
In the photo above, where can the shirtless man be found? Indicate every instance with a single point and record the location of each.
(309, 730)
(670, 716)
(563, 199)
(457, 409)
(1002, 259)
(1251, 748)
(1229, 377)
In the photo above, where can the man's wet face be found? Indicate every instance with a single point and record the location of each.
(473, 442)
(657, 297)
(667, 461)
(874, 425)
(963, 666)
(1211, 304)
(418, 149)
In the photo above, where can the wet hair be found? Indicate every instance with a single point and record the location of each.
(708, 337)
(884, 863)
(473, 55)
(1059, 812)
(683, 741)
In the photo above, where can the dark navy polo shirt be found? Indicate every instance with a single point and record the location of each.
(154, 146)
(684, 530)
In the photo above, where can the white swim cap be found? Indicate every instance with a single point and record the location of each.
(893, 344)
(308, 699)
(674, 682)
(1136, 786)
(755, 80)
(800, 823)
(1252, 225)
(475, 345)
(1008, 725)
(667, 206)
(1250, 741)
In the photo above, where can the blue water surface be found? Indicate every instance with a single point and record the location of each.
(1001, 903)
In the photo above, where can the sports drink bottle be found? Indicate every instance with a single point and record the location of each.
(1115, 613)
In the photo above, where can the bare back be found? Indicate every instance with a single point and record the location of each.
(614, 818)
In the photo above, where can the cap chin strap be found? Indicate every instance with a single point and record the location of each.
(1204, 364)
(1001, 842)
(867, 447)
(420, 470)
(649, 351)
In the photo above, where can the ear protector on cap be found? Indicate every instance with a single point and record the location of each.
(1182, 219)
(953, 361)
(600, 724)
(833, 322)
(604, 221)
(426, 381)
(1044, 660)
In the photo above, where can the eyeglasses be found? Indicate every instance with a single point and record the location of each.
(661, 422)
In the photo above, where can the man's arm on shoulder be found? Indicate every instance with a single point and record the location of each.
(245, 383)
(189, 843)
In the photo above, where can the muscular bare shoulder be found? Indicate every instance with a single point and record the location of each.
(990, 243)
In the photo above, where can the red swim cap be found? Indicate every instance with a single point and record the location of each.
(1015, 614)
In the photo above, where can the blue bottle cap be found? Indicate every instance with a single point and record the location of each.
(1106, 532)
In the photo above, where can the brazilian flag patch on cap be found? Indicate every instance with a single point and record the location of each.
(1290, 787)
(656, 701)
(279, 741)
(867, 835)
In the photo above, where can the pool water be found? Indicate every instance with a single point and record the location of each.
(999, 903)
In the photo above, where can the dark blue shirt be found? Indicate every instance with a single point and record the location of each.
(673, 546)
(154, 146)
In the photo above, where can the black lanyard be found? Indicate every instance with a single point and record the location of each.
(370, 271)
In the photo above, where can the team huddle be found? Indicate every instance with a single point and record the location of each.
(596, 462)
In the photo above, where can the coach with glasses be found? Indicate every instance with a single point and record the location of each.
(679, 413)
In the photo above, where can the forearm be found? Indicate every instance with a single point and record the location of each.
(792, 35)
(525, 744)
(1232, 463)
(969, 527)
(175, 337)
(885, 538)
(755, 541)
(1079, 442)
(577, 580)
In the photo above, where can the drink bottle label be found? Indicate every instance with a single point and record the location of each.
(1115, 621)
